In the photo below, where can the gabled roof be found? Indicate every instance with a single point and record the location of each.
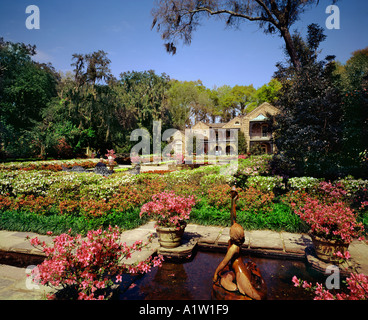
(263, 106)
(216, 125)
(209, 125)
(261, 117)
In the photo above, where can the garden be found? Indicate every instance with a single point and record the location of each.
(45, 199)
(52, 200)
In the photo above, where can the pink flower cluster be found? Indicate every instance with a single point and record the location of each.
(364, 204)
(169, 210)
(110, 153)
(333, 191)
(89, 264)
(357, 286)
(179, 158)
(330, 221)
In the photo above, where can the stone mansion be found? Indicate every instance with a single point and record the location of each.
(253, 125)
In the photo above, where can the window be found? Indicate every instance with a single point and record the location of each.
(264, 130)
(237, 123)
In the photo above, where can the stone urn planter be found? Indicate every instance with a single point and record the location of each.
(325, 249)
(170, 237)
(171, 213)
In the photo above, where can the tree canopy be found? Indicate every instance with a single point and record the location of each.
(178, 19)
(320, 129)
(26, 87)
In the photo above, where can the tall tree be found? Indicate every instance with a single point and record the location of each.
(177, 19)
(224, 102)
(141, 100)
(309, 127)
(84, 107)
(182, 96)
(269, 92)
(26, 88)
(354, 75)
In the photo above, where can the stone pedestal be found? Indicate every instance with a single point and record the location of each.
(321, 266)
(184, 252)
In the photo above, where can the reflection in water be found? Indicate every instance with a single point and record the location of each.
(193, 280)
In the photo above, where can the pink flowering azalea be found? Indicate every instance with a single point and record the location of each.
(331, 221)
(357, 286)
(296, 281)
(345, 256)
(169, 209)
(89, 264)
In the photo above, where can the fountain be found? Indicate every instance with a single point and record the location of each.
(234, 280)
(191, 272)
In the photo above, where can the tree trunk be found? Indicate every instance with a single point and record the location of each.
(290, 48)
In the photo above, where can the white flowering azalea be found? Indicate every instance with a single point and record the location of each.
(266, 184)
(32, 182)
(299, 183)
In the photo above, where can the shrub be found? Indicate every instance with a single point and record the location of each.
(357, 191)
(69, 206)
(208, 181)
(52, 165)
(35, 183)
(219, 196)
(169, 209)
(300, 183)
(63, 150)
(352, 186)
(40, 204)
(188, 190)
(6, 182)
(250, 199)
(6, 202)
(330, 221)
(357, 285)
(255, 200)
(254, 165)
(330, 192)
(88, 266)
(192, 177)
(265, 184)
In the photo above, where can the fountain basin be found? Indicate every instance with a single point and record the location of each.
(192, 280)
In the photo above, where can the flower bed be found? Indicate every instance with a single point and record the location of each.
(52, 165)
(262, 199)
(33, 199)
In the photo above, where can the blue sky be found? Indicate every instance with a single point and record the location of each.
(217, 55)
